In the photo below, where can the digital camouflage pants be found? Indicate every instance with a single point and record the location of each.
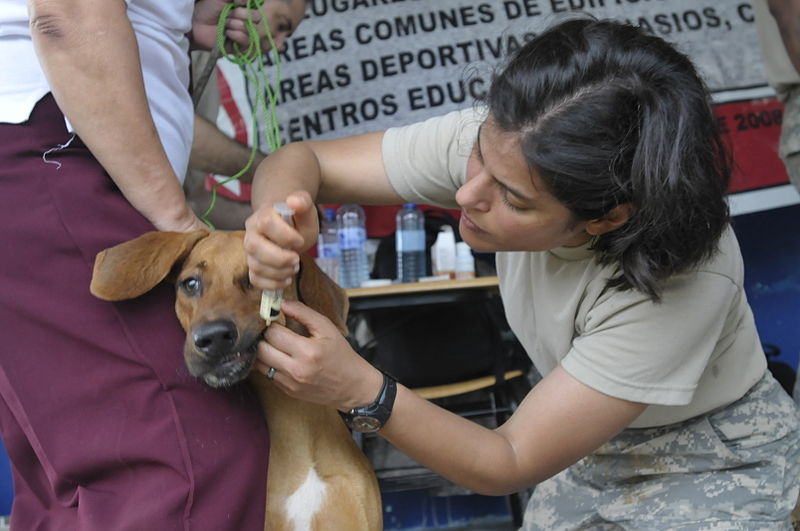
(736, 468)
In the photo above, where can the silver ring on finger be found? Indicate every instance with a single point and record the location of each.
(271, 373)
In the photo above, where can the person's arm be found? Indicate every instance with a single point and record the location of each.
(333, 171)
(346, 170)
(787, 15)
(215, 152)
(559, 422)
(89, 54)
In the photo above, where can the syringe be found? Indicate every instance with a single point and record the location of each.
(271, 299)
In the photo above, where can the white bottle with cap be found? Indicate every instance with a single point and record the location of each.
(443, 253)
(465, 262)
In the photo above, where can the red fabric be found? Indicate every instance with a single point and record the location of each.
(103, 425)
(752, 129)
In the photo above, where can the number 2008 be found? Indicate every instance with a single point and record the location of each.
(755, 120)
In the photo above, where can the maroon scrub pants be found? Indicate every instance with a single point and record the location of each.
(105, 428)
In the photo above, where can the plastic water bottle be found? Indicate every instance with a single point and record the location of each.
(410, 243)
(352, 232)
(328, 254)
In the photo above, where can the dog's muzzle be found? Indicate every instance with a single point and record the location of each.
(216, 352)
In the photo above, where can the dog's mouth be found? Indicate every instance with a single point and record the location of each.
(233, 368)
(225, 370)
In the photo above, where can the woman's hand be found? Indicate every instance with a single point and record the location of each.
(322, 368)
(272, 245)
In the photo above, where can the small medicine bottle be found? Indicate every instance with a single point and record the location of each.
(465, 262)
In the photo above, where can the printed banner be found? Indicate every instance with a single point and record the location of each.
(356, 66)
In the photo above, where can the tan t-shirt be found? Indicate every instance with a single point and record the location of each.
(695, 351)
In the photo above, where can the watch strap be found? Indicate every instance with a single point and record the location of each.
(373, 417)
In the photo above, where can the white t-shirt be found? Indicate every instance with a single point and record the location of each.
(160, 28)
(695, 351)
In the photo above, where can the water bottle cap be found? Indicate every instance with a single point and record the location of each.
(330, 214)
(283, 209)
(410, 205)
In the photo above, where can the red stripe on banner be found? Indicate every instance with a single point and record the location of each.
(223, 191)
(228, 103)
(752, 129)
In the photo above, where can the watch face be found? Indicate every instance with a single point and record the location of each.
(366, 424)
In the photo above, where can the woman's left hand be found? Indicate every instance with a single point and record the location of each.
(321, 368)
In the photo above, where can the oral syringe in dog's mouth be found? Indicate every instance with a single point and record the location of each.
(271, 299)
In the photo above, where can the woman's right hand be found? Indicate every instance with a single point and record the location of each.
(273, 246)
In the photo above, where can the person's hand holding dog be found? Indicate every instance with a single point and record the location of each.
(321, 368)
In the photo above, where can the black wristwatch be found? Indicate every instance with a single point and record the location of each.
(371, 418)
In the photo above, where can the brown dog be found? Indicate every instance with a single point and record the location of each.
(318, 477)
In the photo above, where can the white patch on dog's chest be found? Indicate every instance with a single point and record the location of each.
(306, 501)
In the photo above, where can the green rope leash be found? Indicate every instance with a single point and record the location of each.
(252, 66)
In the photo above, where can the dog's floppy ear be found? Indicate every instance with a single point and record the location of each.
(322, 294)
(130, 269)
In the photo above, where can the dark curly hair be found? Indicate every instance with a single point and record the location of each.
(609, 115)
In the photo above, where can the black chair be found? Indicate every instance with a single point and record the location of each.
(492, 376)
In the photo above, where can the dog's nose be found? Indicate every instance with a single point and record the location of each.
(215, 338)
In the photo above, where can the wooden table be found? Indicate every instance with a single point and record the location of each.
(418, 293)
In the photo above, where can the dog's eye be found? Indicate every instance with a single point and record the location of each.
(245, 283)
(190, 286)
